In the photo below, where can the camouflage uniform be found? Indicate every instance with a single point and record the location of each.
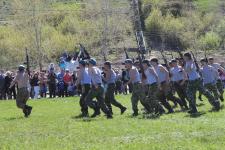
(110, 97)
(164, 95)
(152, 98)
(22, 97)
(220, 88)
(98, 94)
(85, 89)
(192, 88)
(138, 94)
(181, 91)
(213, 89)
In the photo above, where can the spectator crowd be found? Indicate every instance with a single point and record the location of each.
(51, 83)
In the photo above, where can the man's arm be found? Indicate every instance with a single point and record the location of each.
(216, 73)
(184, 75)
(78, 77)
(189, 68)
(14, 81)
(167, 73)
(132, 72)
(221, 69)
(155, 75)
(108, 76)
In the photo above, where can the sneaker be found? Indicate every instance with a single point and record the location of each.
(29, 109)
(221, 98)
(123, 110)
(217, 106)
(135, 114)
(96, 113)
(170, 111)
(160, 112)
(109, 116)
(25, 111)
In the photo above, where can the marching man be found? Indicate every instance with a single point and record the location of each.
(22, 80)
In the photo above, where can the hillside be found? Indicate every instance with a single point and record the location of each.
(50, 27)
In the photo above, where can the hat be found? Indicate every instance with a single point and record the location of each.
(174, 61)
(154, 59)
(92, 61)
(188, 55)
(21, 67)
(128, 61)
(203, 60)
(82, 62)
(145, 61)
(211, 58)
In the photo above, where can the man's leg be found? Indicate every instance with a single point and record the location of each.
(134, 102)
(212, 100)
(50, 90)
(107, 100)
(89, 101)
(112, 100)
(162, 97)
(213, 90)
(83, 105)
(220, 87)
(181, 93)
(153, 99)
(191, 96)
(22, 97)
(101, 102)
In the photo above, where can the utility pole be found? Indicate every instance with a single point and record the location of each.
(138, 27)
(37, 35)
(105, 31)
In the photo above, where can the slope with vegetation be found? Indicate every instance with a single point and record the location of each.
(184, 24)
(50, 27)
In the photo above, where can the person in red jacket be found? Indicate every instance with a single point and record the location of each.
(67, 80)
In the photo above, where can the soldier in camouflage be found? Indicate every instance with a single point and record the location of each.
(110, 79)
(96, 91)
(153, 85)
(194, 84)
(138, 92)
(210, 76)
(219, 82)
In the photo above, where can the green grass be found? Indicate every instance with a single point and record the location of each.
(53, 126)
(207, 5)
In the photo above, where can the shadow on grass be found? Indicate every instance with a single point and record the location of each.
(196, 115)
(14, 118)
(144, 116)
(83, 119)
(151, 116)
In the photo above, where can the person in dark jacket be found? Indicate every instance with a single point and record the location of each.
(35, 84)
(8, 80)
(52, 84)
(2, 85)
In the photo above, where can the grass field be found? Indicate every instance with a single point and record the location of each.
(208, 5)
(53, 126)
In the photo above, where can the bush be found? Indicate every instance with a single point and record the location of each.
(210, 41)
